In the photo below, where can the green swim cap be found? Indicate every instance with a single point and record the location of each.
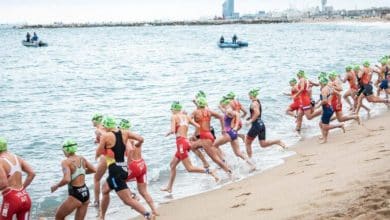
(356, 68)
(230, 95)
(348, 68)
(224, 101)
(366, 64)
(124, 124)
(324, 80)
(254, 92)
(97, 118)
(293, 80)
(201, 102)
(323, 74)
(3, 144)
(69, 146)
(333, 74)
(109, 122)
(383, 61)
(200, 94)
(176, 106)
(301, 73)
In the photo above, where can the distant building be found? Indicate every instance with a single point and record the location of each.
(323, 4)
(228, 9)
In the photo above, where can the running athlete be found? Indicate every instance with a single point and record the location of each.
(304, 96)
(367, 88)
(114, 141)
(74, 169)
(258, 128)
(202, 116)
(337, 106)
(179, 126)
(102, 166)
(294, 107)
(231, 125)
(384, 77)
(327, 110)
(228, 101)
(353, 86)
(137, 166)
(16, 201)
(236, 105)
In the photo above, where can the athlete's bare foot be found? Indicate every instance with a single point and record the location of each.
(169, 190)
(358, 119)
(213, 174)
(320, 138)
(342, 127)
(282, 144)
(155, 213)
(323, 141)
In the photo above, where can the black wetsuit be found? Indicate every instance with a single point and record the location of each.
(117, 172)
(258, 127)
(81, 193)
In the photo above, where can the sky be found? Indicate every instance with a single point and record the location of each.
(67, 11)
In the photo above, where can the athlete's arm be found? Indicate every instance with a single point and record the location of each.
(243, 111)
(3, 178)
(324, 94)
(173, 126)
(218, 116)
(65, 179)
(313, 83)
(236, 121)
(193, 122)
(102, 144)
(256, 112)
(223, 110)
(302, 84)
(337, 86)
(137, 137)
(28, 170)
(345, 78)
(89, 167)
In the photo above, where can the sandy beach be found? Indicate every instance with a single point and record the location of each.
(347, 178)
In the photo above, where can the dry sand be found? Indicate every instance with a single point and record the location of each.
(347, 178)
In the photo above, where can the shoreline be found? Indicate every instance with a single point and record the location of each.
(265, 20)
(348, 177)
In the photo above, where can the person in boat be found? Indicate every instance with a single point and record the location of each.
(35, 37)
(28, 37)
(222, 40)
(234, 39)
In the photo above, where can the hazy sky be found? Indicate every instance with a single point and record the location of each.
(47, 11)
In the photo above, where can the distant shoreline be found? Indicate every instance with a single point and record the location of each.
(273, 20)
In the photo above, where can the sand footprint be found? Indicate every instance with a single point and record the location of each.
(244, 194)
(264, 209)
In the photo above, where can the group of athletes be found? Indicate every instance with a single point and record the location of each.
(329, 105)
(120, 150)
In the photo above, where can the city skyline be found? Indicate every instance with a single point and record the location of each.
(49, 11)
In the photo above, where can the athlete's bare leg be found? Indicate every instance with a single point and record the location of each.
(101, 169)
(143, 191)
(201, 157)
(342, 118)
(172, 175)
(188, 165)
(326, 128)
(236, 149)
(346, 96)
(67, 207)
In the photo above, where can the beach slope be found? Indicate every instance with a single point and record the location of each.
(349, 177)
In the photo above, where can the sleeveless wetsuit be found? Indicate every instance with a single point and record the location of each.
(81, 193)
(182, 143)
(352, 81)
(367, 87)
(117, 171)
(137, 171)
(327, 112)
(385, 82)
(296, 102)
(258, 127)
(228, 128)
(305, 101)
(16, 202)
(336, 103)
(205, 134)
